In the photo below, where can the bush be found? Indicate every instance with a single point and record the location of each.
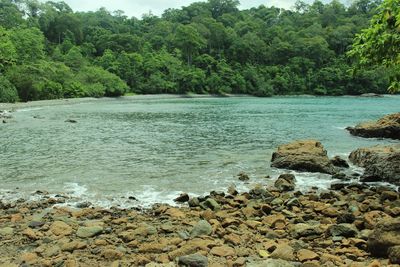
(8, 93)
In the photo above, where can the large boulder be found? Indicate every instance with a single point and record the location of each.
(304, 155)
(381, 163)
(385, 236)
(386, 127)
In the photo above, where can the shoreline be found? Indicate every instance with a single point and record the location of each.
(55, 102)
(263, 225)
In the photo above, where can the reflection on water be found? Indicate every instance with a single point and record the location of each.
(155, 148)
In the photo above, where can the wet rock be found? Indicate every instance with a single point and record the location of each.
(306, 155)
(83, 205)
(194, 260)
(182, 198)
(337, 161)
(389, 195)
(91, 231)
(385, 235)
(386, 127)
(381, 163)
(71, 121)
(243, 176)
(211, 203)
(201, 228)
(260, 192)
(194, 202)
(343, 229)
(285, 182)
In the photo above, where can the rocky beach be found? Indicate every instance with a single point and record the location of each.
(349, 225)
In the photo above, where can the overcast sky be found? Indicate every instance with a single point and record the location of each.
(139, 7)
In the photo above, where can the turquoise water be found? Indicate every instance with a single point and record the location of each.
(153, 148)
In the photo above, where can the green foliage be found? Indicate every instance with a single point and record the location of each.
(380, 43)
(48, 51)
(8, 93)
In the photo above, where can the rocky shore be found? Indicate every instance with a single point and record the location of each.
(386, 127)
(349, 225)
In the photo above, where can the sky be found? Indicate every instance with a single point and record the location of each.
(137, 8)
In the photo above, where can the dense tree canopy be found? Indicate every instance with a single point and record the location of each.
(380, 43)
(49, 51)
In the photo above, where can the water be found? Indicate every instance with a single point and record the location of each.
(154, 148)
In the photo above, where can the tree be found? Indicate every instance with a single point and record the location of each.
(189, 40)
(29, 44)
(8, 93)
(380, 43)
(8, 53)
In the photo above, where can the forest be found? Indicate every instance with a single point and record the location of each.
(48, 51)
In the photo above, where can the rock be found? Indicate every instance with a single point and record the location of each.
(373, 217)
(343, 229)
(71, 121)
(385, 235)
(337, 161)
(223, 251)
(211, 203)
(389, 195)
(386, 127)
(304, 230)
(285, 182)
(60, 228)
(73, 245)
(283, 252)
(271, 263)
(194, 202)
(86, 232)
(346, 218)
(112, 254)
(194, 260)
(394, 255)
(243, 176)
(306, 255)
(381, 163)
(201, 228)
(306, 155)
(83, 205)
(182, 198)
(6, 231)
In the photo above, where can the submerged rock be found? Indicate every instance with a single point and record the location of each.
(305, 155)
(386, 127)
(381, 163)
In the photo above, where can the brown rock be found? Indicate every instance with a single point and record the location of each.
(60, 228)
(223, 251)
(305, 155)
(31, 234)
(234, 239)
(306, 255)
(175, 213)
(283, 252)
(373, 217)
(112, 254)
(29, 258)
(73, 245)
(386, 127)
